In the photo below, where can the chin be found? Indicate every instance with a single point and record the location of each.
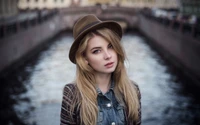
(111, 70)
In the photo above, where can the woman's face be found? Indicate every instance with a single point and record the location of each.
(100, 55)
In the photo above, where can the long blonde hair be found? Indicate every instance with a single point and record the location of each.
(86, 94)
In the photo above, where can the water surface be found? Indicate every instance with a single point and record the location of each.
(33, 94)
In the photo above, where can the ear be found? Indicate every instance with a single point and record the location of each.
(86, 61)
(84, 58)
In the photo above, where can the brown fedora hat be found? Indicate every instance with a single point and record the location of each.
(86, 24)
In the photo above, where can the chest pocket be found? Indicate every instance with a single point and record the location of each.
(120, 111)
(100, 118)
(118, 116)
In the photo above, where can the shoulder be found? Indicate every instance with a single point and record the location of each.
(69, 89)
(136, 88)
(135, 84)
(68, 112)
(70, 86)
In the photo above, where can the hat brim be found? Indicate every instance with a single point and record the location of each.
(112, 25)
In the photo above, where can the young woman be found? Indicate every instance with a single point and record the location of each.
(102, 93)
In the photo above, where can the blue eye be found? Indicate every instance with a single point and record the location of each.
(96, 51)
(110, 46)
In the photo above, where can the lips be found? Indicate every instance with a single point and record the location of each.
(108, 65)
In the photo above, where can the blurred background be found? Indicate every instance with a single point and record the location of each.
(161, 39)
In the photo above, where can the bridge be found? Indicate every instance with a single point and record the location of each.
(125, 16)
(20, 37)
(37, 27)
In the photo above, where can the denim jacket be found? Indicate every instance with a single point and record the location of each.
(120, 114)
(110, 111)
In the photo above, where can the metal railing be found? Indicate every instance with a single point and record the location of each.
(24, 21)
(181, 24)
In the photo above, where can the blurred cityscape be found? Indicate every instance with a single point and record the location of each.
(12, 11)
(35, 37)
(13, 7)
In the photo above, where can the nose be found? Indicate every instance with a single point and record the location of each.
(107, 55)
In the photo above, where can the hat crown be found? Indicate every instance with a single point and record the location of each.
(84, 23)
(88, 24)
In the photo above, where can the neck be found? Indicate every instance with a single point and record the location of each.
(103, 82)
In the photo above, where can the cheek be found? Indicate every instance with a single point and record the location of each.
(115, 55)
(93, 60)
(94, 64)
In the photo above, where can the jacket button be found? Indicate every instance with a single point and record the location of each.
(113, 123)
(108, 105)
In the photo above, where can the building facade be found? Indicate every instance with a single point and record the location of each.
(150, 3)
(45, 4)
(190, 7)
(49, 4)
(135, 3)
(8, 8)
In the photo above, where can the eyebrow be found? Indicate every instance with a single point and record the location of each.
(95, 48)
(99, 47)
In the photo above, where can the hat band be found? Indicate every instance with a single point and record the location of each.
(87, 26)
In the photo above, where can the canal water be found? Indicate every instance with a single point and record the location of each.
(32, 94)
